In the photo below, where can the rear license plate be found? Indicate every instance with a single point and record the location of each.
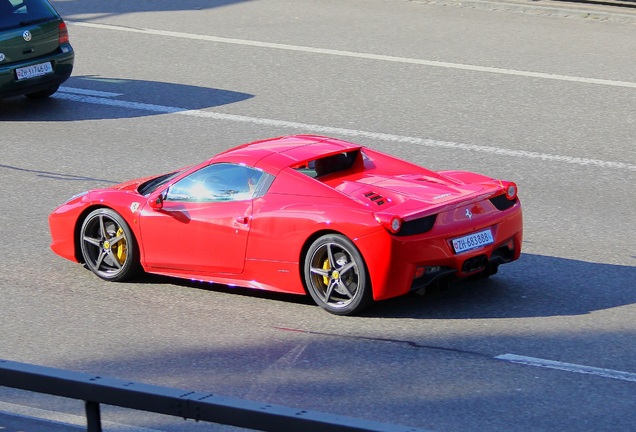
(473, 241)
(34, 71)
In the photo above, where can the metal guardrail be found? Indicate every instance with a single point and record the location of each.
(95, 390)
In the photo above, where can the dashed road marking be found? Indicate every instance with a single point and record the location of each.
(569, 367)
(87, 92)
(328, 130)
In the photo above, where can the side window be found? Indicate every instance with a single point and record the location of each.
(218, 182)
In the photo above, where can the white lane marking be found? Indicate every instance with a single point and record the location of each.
(327, 130)
(360, 55)
(87, 92)
(569, 367)
(64, 418)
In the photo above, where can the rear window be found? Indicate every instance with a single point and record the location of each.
(329, 164)
(19, 13)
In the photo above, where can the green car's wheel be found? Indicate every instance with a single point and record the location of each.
(43, 94)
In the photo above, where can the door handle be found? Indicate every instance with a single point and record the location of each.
(243, 220)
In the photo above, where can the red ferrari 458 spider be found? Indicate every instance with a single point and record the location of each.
(298, 214)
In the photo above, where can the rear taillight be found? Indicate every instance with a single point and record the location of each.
(63, 33)
(511, 191)
(390, 222)
(510, 188)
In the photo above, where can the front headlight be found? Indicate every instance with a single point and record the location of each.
(74, 197)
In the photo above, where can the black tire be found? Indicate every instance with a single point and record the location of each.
(43, 94)
(336, 276)
(108, 247)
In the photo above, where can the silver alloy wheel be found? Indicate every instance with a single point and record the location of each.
(107, 245)
(336, 276)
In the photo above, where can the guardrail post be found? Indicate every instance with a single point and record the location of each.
(93, 417)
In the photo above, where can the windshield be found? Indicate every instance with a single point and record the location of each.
(217, 182)
(18, 13)
(152, 185)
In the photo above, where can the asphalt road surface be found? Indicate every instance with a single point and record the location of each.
(547, 101)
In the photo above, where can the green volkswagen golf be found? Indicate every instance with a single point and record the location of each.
(35, 53)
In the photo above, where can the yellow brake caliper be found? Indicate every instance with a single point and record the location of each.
(120, 249)
(326, 266)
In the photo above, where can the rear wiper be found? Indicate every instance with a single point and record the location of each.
(33, 21)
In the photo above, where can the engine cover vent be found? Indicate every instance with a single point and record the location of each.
(375, 197)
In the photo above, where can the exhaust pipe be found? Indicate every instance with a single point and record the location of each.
(474, 264)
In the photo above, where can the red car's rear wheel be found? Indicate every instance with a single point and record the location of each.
(108, 247)
(336, 275)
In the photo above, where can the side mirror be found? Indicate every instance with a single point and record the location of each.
(156, 201)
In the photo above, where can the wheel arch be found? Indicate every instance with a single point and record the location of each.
(307, 244)
(78, 228)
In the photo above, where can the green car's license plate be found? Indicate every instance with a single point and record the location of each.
(33, 71)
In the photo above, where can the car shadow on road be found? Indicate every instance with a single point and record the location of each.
(534, 286)
(93, 98)
(100, 9)
(221, 288)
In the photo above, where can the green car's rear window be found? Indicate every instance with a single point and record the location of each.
(19, 13)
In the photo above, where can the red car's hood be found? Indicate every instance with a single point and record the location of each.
(132, 185)
(411, 194)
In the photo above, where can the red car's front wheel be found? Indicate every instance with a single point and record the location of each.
(108, 247)
(336, 275)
